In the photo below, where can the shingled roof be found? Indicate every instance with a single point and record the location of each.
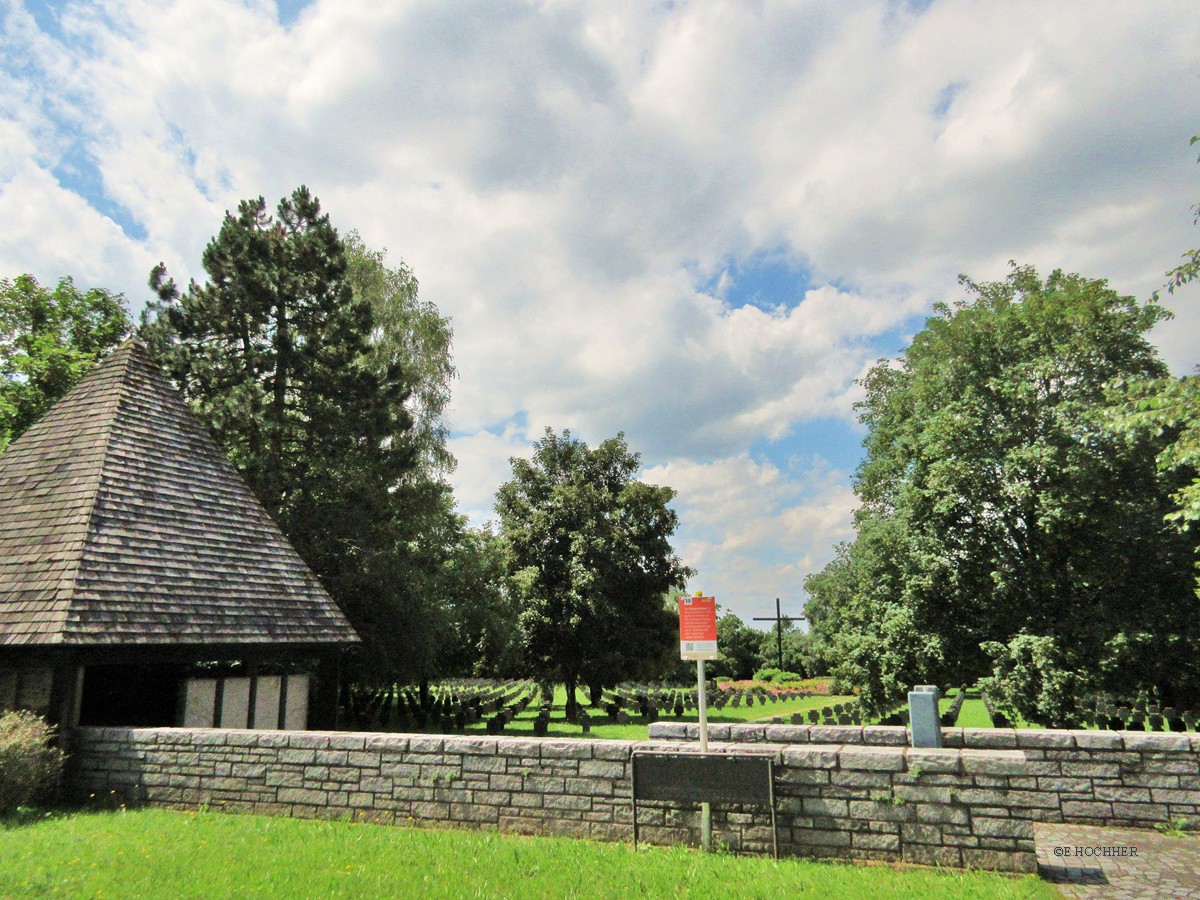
(122, 522)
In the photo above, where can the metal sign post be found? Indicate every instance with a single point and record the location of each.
(698, 641)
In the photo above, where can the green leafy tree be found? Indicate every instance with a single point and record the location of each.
(484, 607)
(1189, 269)
(996, 503)
(799, 651)
(739, 646)
(1168, 409)
(412, 337)
(49, 339)
(275, 354)
(589, 547)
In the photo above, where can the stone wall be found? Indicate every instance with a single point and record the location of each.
(856, 799)
(1124, 778)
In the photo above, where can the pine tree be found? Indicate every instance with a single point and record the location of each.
(274, 353)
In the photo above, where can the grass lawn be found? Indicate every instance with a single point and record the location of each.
(163, 853)
(605, 728)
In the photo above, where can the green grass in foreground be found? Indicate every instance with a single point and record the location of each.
(163, 853)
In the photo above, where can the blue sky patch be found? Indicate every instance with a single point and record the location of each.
(835, 440)
(76, 171)
(289, 10)
(768, 281)
(47, 17)
(946, 97)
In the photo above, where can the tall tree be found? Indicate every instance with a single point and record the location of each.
(49, 339)
(589, 545)
(274, 352)
(413, 336)
(997, 506)
(1169, 409)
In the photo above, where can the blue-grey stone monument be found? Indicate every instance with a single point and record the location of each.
(923, 718)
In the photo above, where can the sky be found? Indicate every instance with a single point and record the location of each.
(694, 223)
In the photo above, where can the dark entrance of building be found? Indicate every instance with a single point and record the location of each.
(136, 695)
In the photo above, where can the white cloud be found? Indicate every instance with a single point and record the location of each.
(754, 531)
(562, 177)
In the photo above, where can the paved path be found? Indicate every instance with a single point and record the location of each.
(1118, 863)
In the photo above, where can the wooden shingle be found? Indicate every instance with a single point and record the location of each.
(122, 522)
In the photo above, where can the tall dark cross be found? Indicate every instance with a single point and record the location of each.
(779, 618)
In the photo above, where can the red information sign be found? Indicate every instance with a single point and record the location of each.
(698, 628)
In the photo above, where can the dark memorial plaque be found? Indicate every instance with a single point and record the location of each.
(704, 778)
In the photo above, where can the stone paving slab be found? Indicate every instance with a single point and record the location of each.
(1092, 863)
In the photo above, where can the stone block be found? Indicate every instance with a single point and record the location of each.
(1091, 770)
(885, 735)
(1173, 764)
(836, 734)
(668, 731)
(1000, 860)
(610, 750)
(544, 784)
(425, 744)
(918, 833)
(1060, 785)
(931, 855)
(1122, 794)
(527, 750)
(861, 779)
(1098, 740)
(592, 787)
(1140, 812)
(818, 806)
(941, 814)
(993, 762)
(1086, 809)
(394, 744)
(876, 812)
(302, 796)
(597, 768)
(488, 764)
(526, 800)
(812, 757)
(787, 734)
(926, 793)
(474, 812)
(989, 738)
(818, 837)
(1048, 738)
(566, 749)
(277, 777)
(878, 759)
(1002, 828)
(308, 740)
(747, 733)
(872, 841)
(936, 760)
(1149, 741)
(1168, 795)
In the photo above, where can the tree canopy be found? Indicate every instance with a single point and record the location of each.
(49, 339)
(589, 546)
(1002, 519)
(306, 390)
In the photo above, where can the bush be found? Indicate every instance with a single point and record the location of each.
(776, 675)
(1033, 679)
(30, 766)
